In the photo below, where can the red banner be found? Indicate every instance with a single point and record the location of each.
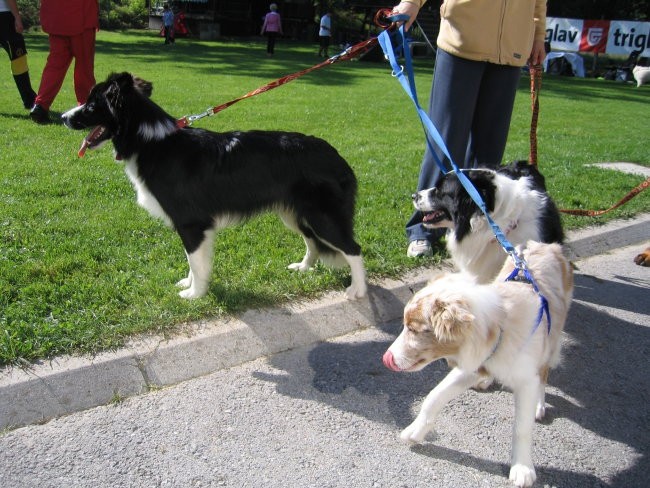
(594, 36)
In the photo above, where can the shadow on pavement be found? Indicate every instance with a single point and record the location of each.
(605, 369)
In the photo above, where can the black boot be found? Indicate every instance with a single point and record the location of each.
(25, 89)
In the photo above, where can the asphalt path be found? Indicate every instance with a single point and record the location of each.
(329, 415)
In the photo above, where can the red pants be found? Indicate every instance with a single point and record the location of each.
(62, 50)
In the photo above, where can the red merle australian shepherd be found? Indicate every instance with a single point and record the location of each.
(199, 181)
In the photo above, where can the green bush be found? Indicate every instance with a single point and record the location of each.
(29, 12)
(122, 14)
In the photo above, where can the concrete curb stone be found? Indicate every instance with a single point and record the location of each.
(69, 384)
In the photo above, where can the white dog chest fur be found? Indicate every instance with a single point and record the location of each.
(145, 198)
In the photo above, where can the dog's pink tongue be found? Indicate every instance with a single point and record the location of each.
(389, 361)
(82, 149)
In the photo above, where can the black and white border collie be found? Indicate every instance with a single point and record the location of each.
(199, 181)
(516, 199)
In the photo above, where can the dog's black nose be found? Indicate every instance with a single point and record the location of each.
(414, 197)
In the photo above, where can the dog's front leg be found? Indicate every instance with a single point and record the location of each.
(455, 383)
(522, 471)
(200, 263)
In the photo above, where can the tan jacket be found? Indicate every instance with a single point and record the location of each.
(496, 31)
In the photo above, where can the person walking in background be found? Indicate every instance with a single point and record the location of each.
(325, 34)
(168, 24)
(71, 26)
(272, 26)
(482, 46)
(12, 40)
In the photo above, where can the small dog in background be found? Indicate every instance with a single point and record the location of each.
(641, 75)
(516, 198)
(199, 181)
(489, 329)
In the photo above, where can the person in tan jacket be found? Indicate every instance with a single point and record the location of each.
(482, 46)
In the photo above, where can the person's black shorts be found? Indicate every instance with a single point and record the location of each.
(324, 41)
(10, 40)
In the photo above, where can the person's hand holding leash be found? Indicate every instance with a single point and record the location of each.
(537, 53)
(410, 8)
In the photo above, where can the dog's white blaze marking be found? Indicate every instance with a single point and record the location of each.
(145, 199)
(71, 112)
(156, 131)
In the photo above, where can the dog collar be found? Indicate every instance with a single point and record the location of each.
(496, 346)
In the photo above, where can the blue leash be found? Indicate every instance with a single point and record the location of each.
(408, 83)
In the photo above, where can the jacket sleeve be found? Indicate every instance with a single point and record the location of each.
(540, 20)
(69, 17)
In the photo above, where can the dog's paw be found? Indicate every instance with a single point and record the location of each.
(416, 432)
(191, 294)
(299, 266)
(522, 475)
(353, 292)
(484, 383)
(184, 283)
(540, 411)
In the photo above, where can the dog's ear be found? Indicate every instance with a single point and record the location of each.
(113, 94)
(117, 84)
(143, 86)
(450, 319)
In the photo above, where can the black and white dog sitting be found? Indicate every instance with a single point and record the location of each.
(199, 181)
(516, 199)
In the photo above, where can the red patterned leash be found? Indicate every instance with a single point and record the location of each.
(535, 86)
(381, 19)
(594, 213)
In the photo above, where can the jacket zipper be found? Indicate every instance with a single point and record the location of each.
(500, 39)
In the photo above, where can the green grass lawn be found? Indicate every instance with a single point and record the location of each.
(82, 267)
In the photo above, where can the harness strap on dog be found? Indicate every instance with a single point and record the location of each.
(543, 308)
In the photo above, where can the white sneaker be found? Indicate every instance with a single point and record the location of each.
(419, 248)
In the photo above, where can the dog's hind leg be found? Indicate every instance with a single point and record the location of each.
(336, 240)
(358, 287)
(522, 471)
(200, 263)
(455, 383)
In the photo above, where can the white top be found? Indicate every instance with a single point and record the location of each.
(325, 26)
(4, 7)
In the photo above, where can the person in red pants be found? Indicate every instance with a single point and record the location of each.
(71, 26)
